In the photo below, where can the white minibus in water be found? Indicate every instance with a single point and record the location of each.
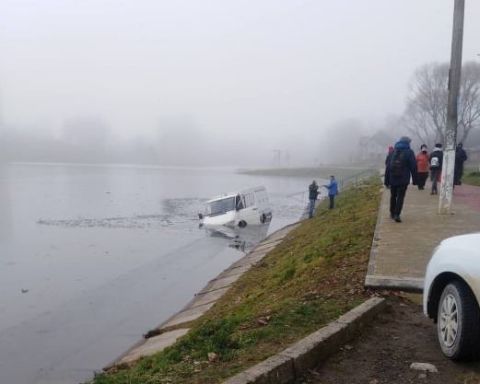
(248, 207)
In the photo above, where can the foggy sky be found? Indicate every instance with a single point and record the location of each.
(276, 71)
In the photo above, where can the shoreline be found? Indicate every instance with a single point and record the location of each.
(294, 274)
(198, 305)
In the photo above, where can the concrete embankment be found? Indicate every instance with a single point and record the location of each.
(176, 326)
(297, 282)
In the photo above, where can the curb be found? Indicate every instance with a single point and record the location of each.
(376, 238)
(295, 361)
(408, 284)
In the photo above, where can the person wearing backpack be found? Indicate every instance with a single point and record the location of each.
(436, 162)
(402, 166)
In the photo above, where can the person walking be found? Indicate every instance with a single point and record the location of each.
(436, 162)
(401, 168)
(460, 158)
(332, 191)
(312, 197)
(423, 166)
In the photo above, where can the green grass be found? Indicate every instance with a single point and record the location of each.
(471, 177)
(315, 275)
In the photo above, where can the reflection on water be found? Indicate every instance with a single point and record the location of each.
(242, 239)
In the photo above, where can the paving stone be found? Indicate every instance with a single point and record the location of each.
(267, 247)
(154, 345)
(249, 260)
(277, 369)
(362, 315)
(241, 378)
(188, 315)
(308, 352)
(235, 271)
(220, 283)
(401, 251)
(208, 297)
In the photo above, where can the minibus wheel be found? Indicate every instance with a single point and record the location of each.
(242, 223)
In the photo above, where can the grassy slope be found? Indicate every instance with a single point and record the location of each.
(314, 276)
(471, 177)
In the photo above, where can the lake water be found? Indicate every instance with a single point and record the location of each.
(91, 257)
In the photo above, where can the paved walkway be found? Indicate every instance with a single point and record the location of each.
(401, 251)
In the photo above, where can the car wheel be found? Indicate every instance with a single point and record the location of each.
(458, 322)
(242, 223)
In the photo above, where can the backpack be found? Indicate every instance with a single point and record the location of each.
(434, 162)
(397, 164)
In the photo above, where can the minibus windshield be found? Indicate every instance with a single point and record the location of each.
(219, 207)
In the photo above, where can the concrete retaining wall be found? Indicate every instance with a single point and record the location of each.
(295, 361)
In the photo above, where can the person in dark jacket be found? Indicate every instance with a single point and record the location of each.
(436, 162)
(460, 158)
(401, 167)
(312, 197)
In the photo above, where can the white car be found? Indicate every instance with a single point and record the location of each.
(452, 293)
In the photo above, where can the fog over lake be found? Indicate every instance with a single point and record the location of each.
(212, 83)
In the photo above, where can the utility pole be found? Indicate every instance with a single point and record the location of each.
(448, 168)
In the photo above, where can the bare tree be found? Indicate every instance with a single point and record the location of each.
(426, 113)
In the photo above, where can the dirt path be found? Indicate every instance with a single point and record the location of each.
(384, 352)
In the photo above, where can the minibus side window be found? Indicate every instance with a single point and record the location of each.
(249, 200)
(239, 203)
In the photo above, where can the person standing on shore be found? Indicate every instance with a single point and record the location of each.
(332, 191)
(423, 166)
(312, 198)
(460, 158)
(436, 162)
(401, 168)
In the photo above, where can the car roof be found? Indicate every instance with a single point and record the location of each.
(260, 188)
